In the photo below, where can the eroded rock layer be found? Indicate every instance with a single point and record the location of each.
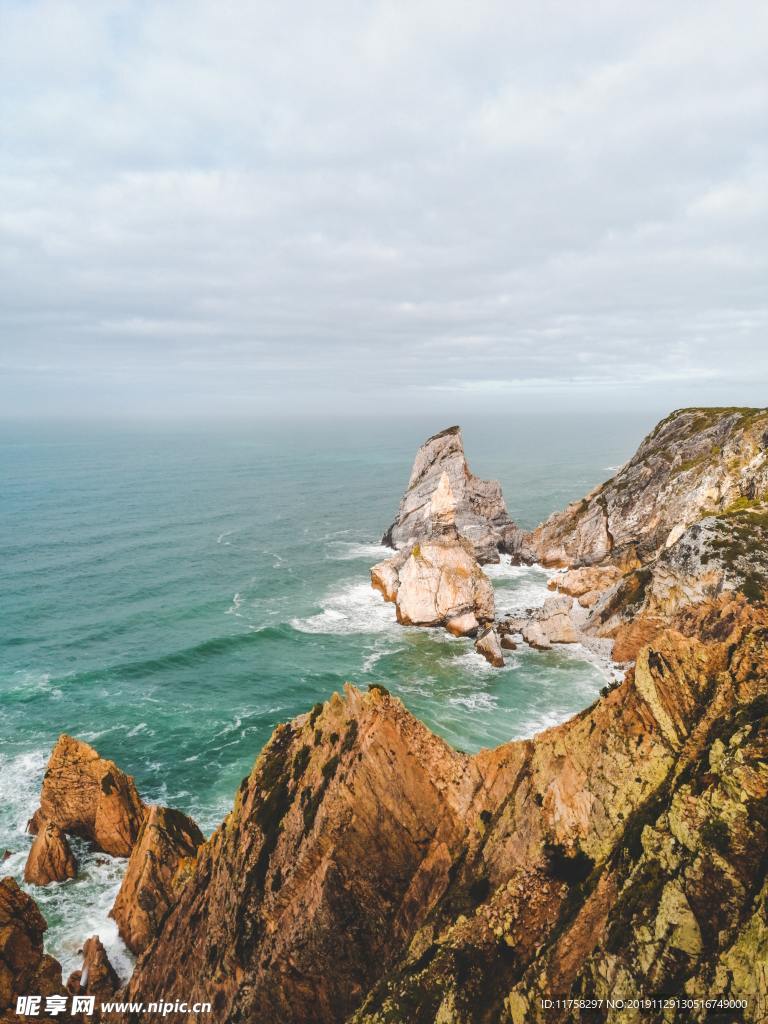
(90, 796)
(367, 865)
(441, 485)
(25, 970)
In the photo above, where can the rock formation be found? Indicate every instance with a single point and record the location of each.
(166, 844)
(89, 796)
(441, 486)
(489, 645)
(97, 977)
(437, 583)
(24, 968)
(693, 462)
(545, 626)
(371, 874)
(367, 864)
(50, 858)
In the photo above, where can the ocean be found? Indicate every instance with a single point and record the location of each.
(170, 593)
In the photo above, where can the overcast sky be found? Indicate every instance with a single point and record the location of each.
(245, 207)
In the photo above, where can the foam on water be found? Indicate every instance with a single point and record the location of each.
(74, 909)
(353, 607)
(475, 701)
(345, 551)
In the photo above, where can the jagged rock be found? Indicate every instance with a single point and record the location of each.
(694, 461)
(24, 968)
(382, 824)
(90, 796)
(167, 842)
(97, 977)
(489, 646)
(442, 491)
(437, 583)
(720, 555)
(50, 858)
(35, 822)
(508, 643)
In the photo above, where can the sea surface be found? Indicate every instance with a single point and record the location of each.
(171, 593)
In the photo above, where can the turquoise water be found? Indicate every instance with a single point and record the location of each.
(170, 594)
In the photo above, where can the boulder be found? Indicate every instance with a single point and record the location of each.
(89, 795)
(508, 644)
(439, 583)
(551, 624)
(50, 858)
(97, 977)
(489, 646)
(24, 968)
(587, 582)
(168, 841)
(442, 491)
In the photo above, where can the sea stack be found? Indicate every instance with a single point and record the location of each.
(441, 478)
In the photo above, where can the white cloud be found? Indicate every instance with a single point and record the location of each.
(350, 199)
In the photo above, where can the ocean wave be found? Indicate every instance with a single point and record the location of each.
(346, 551)
(475, 701)
(351, 608)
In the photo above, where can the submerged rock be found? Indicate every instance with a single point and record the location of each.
(437, 583)
(442, 490)
(50, 857)
(167, 843)
(90, 796)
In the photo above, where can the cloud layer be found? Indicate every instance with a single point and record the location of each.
(236, 207)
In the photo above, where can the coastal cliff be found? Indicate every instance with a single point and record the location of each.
(371, 873)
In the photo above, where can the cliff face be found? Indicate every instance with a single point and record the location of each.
(24, 968)
(370, 873)
(441, 482)
(366, 862)
(694, 461)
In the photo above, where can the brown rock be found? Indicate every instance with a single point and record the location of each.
(382, 824)
(97, 977)
(24, 968)
(34, 823)
(50, 858)
(167, 843)
(90, 796)
(489, 646)
(508, 643)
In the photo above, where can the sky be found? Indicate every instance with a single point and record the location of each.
(228, 208)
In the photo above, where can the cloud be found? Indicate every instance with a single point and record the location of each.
(351, 202)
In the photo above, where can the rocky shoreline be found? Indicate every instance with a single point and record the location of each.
(370, 873)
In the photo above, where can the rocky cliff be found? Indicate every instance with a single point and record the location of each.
(440, 483)
(695, 461)
(370, 873)
(369, 869)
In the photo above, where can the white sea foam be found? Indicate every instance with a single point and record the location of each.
(222, 538)
(517, 587)
(351, 608)
(234, 608)
(345, 551)
(475, 701)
